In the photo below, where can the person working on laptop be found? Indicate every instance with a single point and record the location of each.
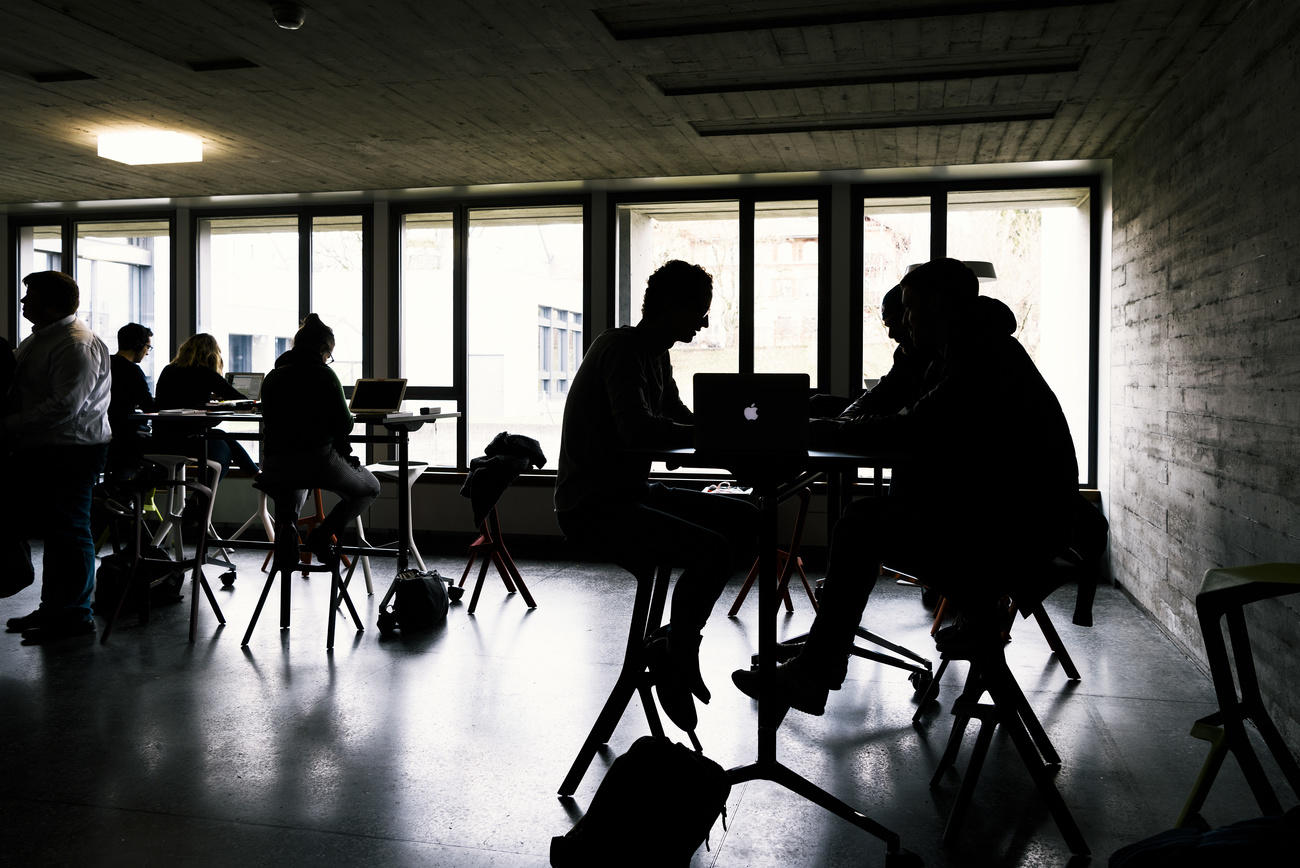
(190, 381)
(985, 408)
(622, 398)
(130, 394)
(306, 424)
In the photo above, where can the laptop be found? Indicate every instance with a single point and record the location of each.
(751, 415)
(247, 383)
(377, 396)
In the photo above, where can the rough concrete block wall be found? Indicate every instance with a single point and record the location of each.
(1205, 320)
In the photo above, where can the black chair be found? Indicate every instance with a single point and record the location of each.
(145, 571)
(983, 645)
(287, 504)
(647, 612)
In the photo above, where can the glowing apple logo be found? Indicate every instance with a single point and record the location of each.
(751, 413)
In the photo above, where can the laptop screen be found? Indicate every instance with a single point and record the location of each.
(246, 383)
(375, 396)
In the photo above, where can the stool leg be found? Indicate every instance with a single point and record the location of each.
(1054, 642)
(261, 601)
(931, 691)
(957, 816)
(744, 590)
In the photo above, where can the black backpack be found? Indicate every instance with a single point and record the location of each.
(655, 807)
(165, 579)
(420, 601)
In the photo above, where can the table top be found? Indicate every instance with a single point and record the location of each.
(407, 421)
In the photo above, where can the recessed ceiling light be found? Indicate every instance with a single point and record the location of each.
(145, 147)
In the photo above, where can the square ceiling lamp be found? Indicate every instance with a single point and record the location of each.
(148, 147)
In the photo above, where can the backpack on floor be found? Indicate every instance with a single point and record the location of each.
(420, 601)
(165, 580)
(655, 807)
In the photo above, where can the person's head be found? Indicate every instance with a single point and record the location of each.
(891, 314)
(677, 299)
(134, 341)
(50, 296)
(938, 298)
(315, 337)
(200, 351)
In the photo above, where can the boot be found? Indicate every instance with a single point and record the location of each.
(673, 692)
(684, 654)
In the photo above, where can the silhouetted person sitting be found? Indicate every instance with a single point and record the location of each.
(623, 397)
(190, 381)
(985, 410)
(130, 394)
(306, 424)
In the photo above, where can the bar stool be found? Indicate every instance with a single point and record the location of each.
(194, 564)
(287, 504)
(1223, 596)
(1009, 709)
(491, 546)
(647, 612)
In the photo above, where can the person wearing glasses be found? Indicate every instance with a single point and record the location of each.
(623, 397)
(305, 428)
(131, 393)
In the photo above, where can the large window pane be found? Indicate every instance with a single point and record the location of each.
(337, 288)
(426, 252)
(248, 287)
(785, 287)
(525, 321)
(124, 272)
(1038, 242)
(40, 248)
(704, 233)
(435, 442)
(895, 234)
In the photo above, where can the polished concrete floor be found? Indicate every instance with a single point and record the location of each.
(447, 749)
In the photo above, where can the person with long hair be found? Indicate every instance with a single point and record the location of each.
(305, 425)
(190, 381)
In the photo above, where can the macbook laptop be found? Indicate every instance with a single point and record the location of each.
(376, 396)
(246, 383)
(752, 415)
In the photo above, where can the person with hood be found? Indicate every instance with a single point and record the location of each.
(305, 428)
(984, 408)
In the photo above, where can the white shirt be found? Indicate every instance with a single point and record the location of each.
(62, 385)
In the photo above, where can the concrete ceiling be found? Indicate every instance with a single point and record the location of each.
(396, 94)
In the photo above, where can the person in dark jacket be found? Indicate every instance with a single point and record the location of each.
(306, 424)
(190, 381)
(622, 398)
(985, 408)
(130, 394)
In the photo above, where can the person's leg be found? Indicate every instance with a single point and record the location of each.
(356, 488)
(68, 575)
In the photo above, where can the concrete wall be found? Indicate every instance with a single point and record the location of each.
(1205, 340)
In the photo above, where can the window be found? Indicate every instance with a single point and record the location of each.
(786, 280)
(124, 272)
(40, 248)
(520, 261)
(426, 349)
(706, 234)
(1038, 242)
(338, 289)
(895, 234)
(248, 284)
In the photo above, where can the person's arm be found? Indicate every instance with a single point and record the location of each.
(142, 399)
(72, 371)
(627, 389)
(219, 388)
(898, 388)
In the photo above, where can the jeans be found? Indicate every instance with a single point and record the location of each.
(55, 483)
(324, 468)
(709, 535)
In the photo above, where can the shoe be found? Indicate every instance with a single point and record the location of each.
(684, 654)
(795, 686)
(322, 545)
(966, 637)
(674, 694)
(58, 630)
(24, 622)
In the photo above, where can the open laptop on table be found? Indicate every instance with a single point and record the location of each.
(752, 421)
(376, 397)
(246, 383)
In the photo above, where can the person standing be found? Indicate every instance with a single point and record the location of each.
(57, 426)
